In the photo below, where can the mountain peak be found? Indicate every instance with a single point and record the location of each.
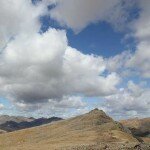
(94, 117)
(91, 128)
(96, 110)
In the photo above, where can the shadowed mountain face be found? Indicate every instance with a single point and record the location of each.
(93, 128)
(138, 127)
(17, 119)
(10, 123)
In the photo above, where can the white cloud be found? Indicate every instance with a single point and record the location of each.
(84, 74)
(41, 67)
(41, 70)
(29, 64)
(141, 31)
(141, 26)
(84, 12)
(118, 62)
(141, 59)
(66, 107)
(135, 89)
(37, 67)
(77, 14)
(131, 101)
(68, 102)
(18, 16)
(130, 64)
(1, 106)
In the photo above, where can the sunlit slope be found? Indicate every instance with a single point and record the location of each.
(91, 128)
(139, 128)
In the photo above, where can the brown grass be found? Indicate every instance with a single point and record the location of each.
(89, 129)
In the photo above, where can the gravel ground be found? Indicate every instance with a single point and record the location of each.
(112, 146)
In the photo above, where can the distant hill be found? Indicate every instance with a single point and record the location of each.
(93, 130)
(11, 123)
(2, 131)
(17, 119)
(138, 127)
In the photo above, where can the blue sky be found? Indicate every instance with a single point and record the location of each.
(97, 39)
(70, 57)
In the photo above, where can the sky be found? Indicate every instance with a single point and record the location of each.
(64, 58)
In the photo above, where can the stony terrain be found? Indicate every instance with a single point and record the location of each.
(94, 130)
(110, 146)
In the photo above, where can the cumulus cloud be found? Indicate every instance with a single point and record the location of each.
(117, 13)
(18, 16)
(133, 101)
(84, 74)
(66, 102)
(85, 12)
(118, 62)
(1, 106)
(141, 59)
(42, 72)
(66, 107)
(77, 14)
(29, 64)
(43, 66)
(141, 26)
(141, 31)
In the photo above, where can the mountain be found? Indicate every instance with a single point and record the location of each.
(138, 127)
(93, 130)
(5, 118)
(16, 123)
(2, 131)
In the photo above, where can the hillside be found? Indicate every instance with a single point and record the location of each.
(2, 131)
(94, 128)
(10, 126)
(17, 119)
(139, 127)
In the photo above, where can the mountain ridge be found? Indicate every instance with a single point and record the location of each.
(12, 123)
(5, 118)
(93, 128)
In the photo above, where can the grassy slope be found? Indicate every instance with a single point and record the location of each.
(139, 127)
(91, 128)
(136, 123)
